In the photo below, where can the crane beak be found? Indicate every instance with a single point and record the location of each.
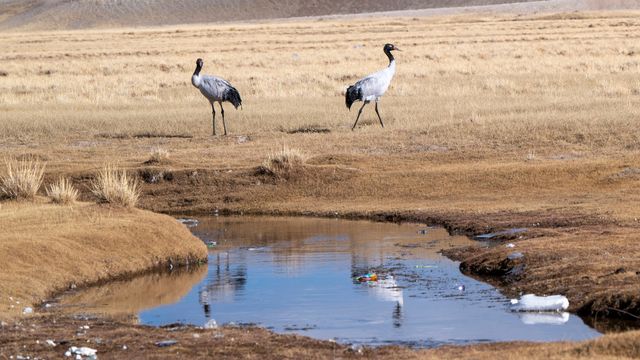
(396, 48)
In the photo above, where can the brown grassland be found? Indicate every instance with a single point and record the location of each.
(492, 121)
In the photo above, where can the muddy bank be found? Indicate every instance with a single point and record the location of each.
(586, 255)
(47, 248)
(115, 339)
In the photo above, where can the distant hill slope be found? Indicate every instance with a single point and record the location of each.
(74, 14)
(79, 14)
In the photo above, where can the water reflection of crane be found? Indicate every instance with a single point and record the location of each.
(385, 289)
(223, 281)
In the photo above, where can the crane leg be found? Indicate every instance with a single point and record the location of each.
(213, 110)
(358, 118)
(381, 124)
(224, 124)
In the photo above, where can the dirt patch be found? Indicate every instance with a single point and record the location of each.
(116, 339)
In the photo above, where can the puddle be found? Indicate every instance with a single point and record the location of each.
(299, 275)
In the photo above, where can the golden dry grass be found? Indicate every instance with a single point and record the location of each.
(114, 186)
(62, 192)
(283, 163)
(472, 83)
(22, 178)
(45, 248)
(158, 155)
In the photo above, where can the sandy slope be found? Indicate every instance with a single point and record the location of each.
(61, 14)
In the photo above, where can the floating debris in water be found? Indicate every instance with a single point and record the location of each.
(306, 327)
(532, 302)
(367, 277)
(189, 222)
(211, 324)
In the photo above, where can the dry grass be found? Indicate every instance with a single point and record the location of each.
(114, 186)
(283, 163)
(471, 83)
(62, 192)
(23, 178)
(158, 155)
(45, 248)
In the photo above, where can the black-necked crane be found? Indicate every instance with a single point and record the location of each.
(216, 90)
(372, 87)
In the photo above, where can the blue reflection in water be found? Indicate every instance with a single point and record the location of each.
(302, 281)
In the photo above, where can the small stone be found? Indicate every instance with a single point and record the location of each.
(124, 347)
(27, 310)
(67, 353)
(166, 343)
(51, 343)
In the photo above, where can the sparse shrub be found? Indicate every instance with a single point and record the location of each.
(62, 192)
(22, 180)
(114, 186)
(283, 163)
(158, 155)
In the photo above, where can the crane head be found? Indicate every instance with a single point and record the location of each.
(390, 47)
(199, 62)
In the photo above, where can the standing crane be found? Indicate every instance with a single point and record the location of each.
(372, 87)
(215, 89)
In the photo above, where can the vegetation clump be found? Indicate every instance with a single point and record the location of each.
(283, 164)
(22, 179)
(114, 186)
(62, 192)
(158, 155)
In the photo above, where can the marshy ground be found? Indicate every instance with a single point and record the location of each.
(493, 122)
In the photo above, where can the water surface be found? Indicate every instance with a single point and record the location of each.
(296, 275)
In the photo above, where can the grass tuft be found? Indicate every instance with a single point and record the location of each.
(284, 163)
(158, 155)
(22, 180)
(62, 192)
(114, 186)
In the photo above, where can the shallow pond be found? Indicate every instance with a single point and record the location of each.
(298, 275)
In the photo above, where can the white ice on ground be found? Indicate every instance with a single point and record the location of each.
(544, 318)
(532, 302)
(82, 351)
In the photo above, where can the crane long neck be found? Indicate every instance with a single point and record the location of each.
(198, 68)
(389, 55)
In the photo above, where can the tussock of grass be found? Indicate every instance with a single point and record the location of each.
(22, 179)
(62, 192)
(283, 163)
(114, 186)
(158, 155)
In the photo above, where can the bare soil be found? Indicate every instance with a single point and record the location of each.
(117, 339)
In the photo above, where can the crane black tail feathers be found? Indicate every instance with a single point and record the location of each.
(233, 96)
(352, 95)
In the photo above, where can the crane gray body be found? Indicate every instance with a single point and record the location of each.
(372, 87)
(215, 89)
